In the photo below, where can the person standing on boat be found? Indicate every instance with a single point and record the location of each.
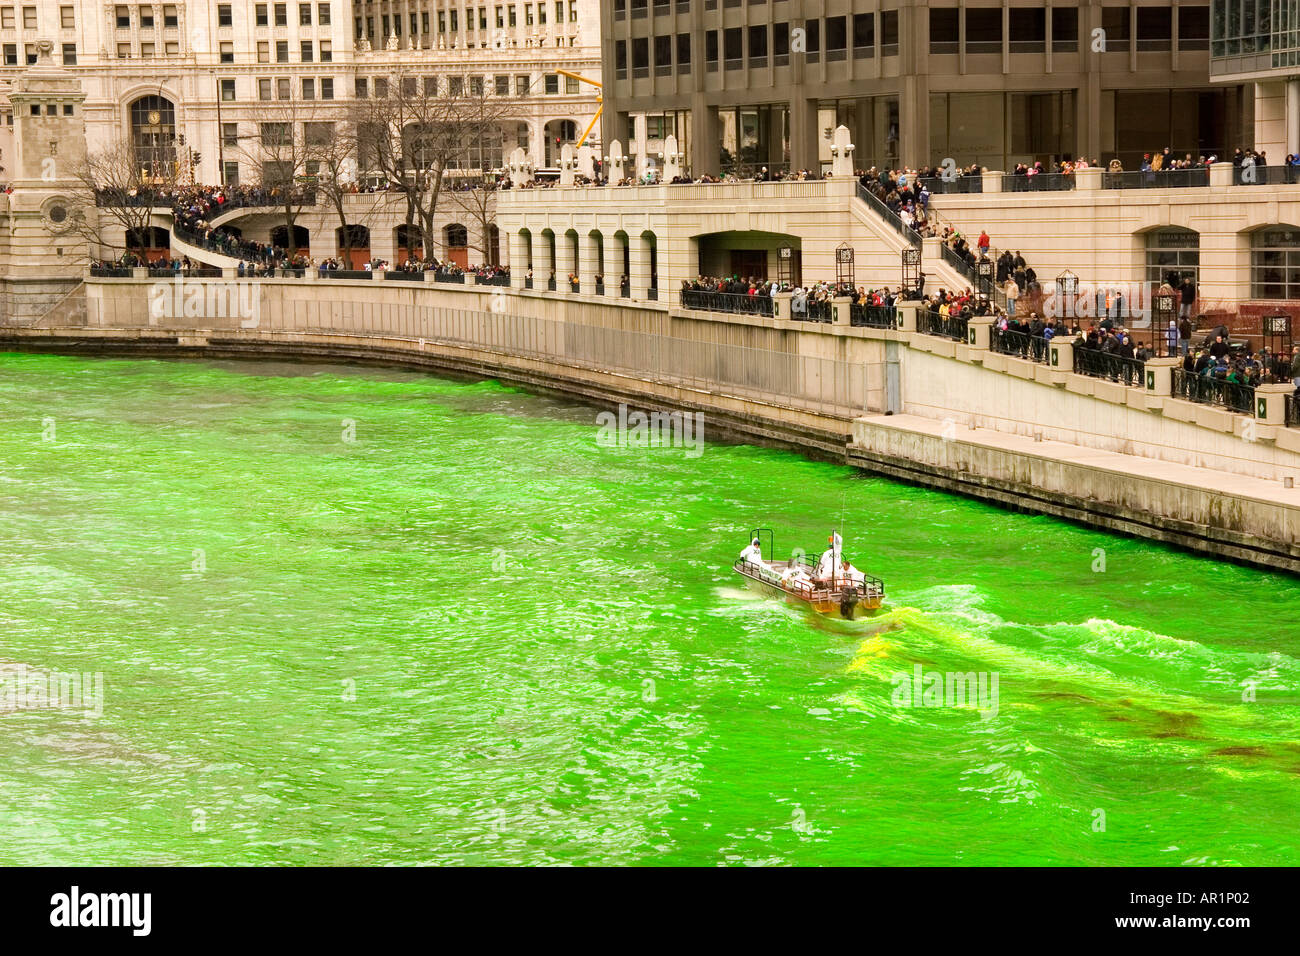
(753, 554)
(830, 559)
(852, 574)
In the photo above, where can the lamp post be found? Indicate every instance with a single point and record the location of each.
(1067, 289)
(984, 276)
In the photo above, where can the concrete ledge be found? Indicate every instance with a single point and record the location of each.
(1179, 410)
(1217, 418)
(1288, 439)
(1109, 391)
(1080, 384)
(995, 362)
(1044, 374)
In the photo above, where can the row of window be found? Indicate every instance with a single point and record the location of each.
(1027, 29)
(421, 23)
(455, 85)
(307, 51)
(309, 87)
(51, 109)
(122, 17)
(29, 54)
(67, 18)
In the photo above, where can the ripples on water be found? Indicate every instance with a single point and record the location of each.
(474, 635)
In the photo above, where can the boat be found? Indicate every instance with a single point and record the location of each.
(837, 598)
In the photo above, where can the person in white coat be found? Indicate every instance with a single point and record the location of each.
(753, 554)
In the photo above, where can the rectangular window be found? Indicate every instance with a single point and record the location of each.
(281, 14)
(29, 18)
(260, 13)
(304, 14)
(758, 45)
(1155, 28)
(69, 54)
(229, 134)
(308, 88)
(711, 50)
(123, 52)
(512, 16)
(317, 134)
(501, 85)
(11, 54)
(171, 48)
(146, 18)
(683, 52)
(263, 51)
(528, 15)
(733, 52)
(780, 44)
(67, 18)
(276, 134)
(281, 51)
(521, 84)
(1028, 29)
(228, 91)
(224, 17)
(571, 85)
(552, 82)
(1194, 28)
(864, 33)
(381, 87)
(7, 20)
(121, 16)
(889, 33)
(306, 49)
(361, 88)
(430, 86)
(170, 18)
(983, 30)
(836, 38)
(500, 14)
(327, 87)
(323, 14)
(455, 86)
(1114, 21)
(944, 30)
(146, 51)
(227, 52)
(476, 86)
(814, 39)
(1065, 30)
(232, 172)
(282, 88)
(326, 51)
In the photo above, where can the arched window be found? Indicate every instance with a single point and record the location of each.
(153, 135)
(1275, 263)
(1173, 250)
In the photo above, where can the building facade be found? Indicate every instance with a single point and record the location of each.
(189, 82)
(743, 83)
(1257, 43)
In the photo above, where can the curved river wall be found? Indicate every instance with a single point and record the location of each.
(927, 410)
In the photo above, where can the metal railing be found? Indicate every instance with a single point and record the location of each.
(652, 293)
(502, 278)
(891, 217)
(1209, 390)
(955, 259)
(111, 272)
(873, 316)
(1265, 175)
(1039, 182)
(730, 302)
(1019, 344)
(947, 326)
(550, 284)
(347, 274)
(600, 287)
(962, 185)
(1114, 368)
(456, 278)
(528, 282)
(401, 275)
(814, 310)
(1292, 411)
(1157, 179)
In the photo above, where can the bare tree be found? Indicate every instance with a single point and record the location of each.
(337, 182)
(294, 139)
(115, 188)
(414, 134)
(479, 204)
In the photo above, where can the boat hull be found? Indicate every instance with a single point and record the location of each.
(822, 602)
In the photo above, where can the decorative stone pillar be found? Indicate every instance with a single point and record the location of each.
(1087, 180)
(638, 257)
(673, 158)
(568, 165)
(1270, 403)
(518, 252)
(615, 161)
(1221, 174)
(1060, 354)
(781, 305)
(588, 262)
(978, 332)
(907, 315)
(565, 262)
(1160, 376)
(841, 153)
(991, 181)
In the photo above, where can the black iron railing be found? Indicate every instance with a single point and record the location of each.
(732, 302)
(457, 278)
(1039, 182)
(528, 282)
(1019, 344)
(814, 310)
(347, 274)
(600, 288)
(957, 261)
(401, 275)
(1209, 390)
(1114, 368)
(1265, 175)
(948, 326)
(961, 185)
(1157, 179)
(111, 272)
(891, 217)
(498, 279)
(1293, 411)
(550, 284)
(652, 293)
(873, 316)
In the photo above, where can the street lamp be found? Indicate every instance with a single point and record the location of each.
(984, 276)
(1067, 289)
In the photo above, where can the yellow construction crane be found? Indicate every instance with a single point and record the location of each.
(600, 103)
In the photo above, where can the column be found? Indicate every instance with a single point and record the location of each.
(1292, 116)
(565, 263)
(542, 269)
(638, 255)
(805, 147)
(518, 252)
(704, 137)
(588, 262)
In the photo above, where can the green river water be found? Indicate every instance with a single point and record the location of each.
(472, 634)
